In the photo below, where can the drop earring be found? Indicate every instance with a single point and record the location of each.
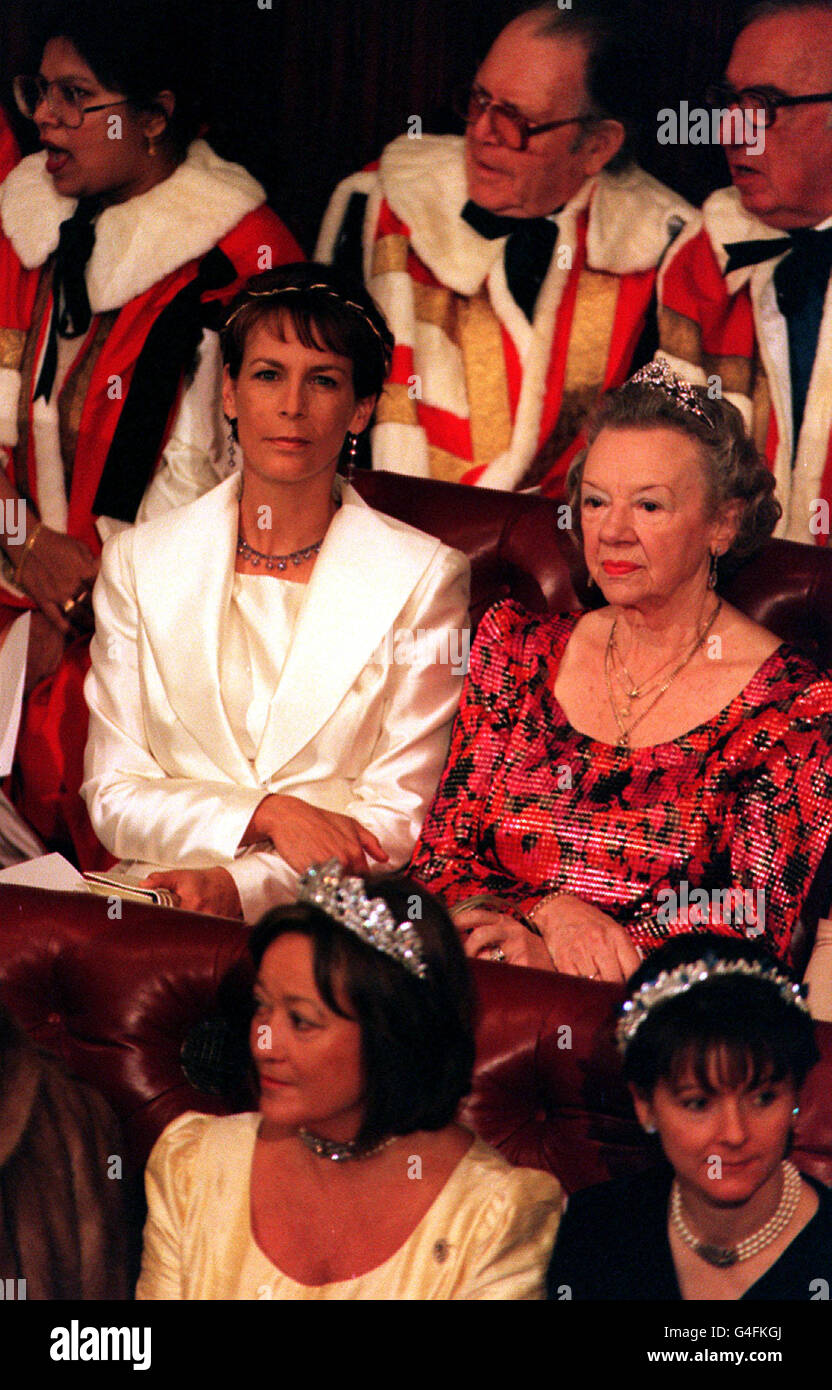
(352, 454)
(712, 572)
(233, 444)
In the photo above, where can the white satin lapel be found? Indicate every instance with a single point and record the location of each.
(184, 573)
(362, 578)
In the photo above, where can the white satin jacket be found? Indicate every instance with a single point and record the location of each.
(359, 721)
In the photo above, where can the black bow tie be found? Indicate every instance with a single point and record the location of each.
(71, 313)
(528, 253)
(805, 270)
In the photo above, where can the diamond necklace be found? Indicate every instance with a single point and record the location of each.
(339, 1150)
(723, 1256)
(276, 562)
(624, 732)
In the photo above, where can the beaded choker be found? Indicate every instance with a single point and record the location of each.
(723, 1256)
(340, 1150)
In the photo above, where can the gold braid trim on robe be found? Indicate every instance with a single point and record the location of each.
(590, 336)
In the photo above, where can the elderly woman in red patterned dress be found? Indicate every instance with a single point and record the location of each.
(616, 776)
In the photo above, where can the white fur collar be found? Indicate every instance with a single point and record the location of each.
(424, 183)
(139, 242)
(726, 221)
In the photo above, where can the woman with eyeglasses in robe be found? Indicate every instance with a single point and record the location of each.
(121, 242)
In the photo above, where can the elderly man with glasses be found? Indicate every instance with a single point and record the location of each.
(517, 266)
(744, 292)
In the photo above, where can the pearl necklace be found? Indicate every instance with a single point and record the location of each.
(340, 1150)
(723, 1256)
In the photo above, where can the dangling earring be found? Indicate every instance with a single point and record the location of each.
(712, 573)
(233, 443)
(795, 1112)
(352, 454)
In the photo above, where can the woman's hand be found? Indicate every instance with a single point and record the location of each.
(485, 932)
(200, 890)
(582, 940)
(56, 569)
(304, 834)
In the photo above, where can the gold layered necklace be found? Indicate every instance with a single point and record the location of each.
(635, 692)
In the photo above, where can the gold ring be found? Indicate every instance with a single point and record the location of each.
(81, 597)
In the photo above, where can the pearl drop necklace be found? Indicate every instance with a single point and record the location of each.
(723, 1256)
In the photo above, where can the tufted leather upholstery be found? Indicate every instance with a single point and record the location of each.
(116, 1000)
(517, 548)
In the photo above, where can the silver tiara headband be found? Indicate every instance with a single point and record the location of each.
(671, 983)
(321, 289)
(344, 899)
(662, 376)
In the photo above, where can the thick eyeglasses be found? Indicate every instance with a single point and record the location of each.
(763, 99)
(64, 99)
(508, 125)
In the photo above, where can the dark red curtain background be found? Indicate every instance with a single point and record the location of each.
(307, 91)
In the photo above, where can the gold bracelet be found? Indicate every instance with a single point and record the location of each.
(550, 898)
(30, 541)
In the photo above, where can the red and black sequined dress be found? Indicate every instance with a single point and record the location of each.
(527, 805)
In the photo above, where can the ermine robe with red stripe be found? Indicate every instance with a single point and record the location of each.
(147, 250)
(477, 393)
(9, 153)
(727, 330)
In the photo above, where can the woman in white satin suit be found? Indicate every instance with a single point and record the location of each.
(275, 666)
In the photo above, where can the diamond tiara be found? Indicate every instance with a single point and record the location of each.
(671, 983)
(344, 899)
(662, 376)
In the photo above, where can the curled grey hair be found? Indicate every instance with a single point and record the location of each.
(733, 467)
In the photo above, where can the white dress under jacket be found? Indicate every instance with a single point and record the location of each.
(360, 715)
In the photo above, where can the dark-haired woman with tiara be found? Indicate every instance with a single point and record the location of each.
(353, 1180)
(716, 1041)
(121, 241)
(275, 666)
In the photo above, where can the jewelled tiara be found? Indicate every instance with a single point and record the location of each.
(671, 983)
(344, 899)
(320, 289)
(661, 375)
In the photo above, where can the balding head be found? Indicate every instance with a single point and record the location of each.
(786, 49)
(541, 76)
